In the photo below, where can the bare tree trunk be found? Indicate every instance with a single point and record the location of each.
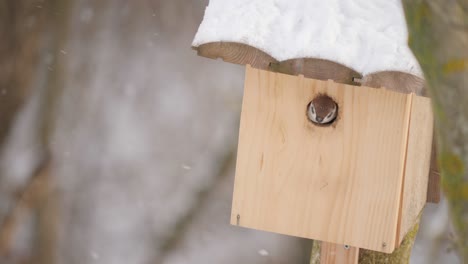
(439, 39)
(31, 66)
(21, 26)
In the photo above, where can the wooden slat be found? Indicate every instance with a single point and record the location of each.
(417, 163)
(340, 183)
(338, 254)
(317, 69)
(243, 54)
(401, 82)
(237, 53)
(407, 83)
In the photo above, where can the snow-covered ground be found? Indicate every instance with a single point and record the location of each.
(368, 36)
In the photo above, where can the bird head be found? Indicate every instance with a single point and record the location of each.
(322, 110)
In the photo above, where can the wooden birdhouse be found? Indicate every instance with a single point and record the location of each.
(360, 180)
(356, 177)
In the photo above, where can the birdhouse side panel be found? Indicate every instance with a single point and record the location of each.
(418, 163)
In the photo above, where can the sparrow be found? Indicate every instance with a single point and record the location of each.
(322, 110)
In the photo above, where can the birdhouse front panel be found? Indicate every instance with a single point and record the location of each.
(339, 183)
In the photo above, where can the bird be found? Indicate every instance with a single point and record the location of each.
(322, 110)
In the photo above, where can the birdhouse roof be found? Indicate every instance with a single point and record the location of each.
(367, 36)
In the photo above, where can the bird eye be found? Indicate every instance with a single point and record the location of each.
(312, 109)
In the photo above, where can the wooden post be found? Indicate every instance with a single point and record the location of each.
(340, 254)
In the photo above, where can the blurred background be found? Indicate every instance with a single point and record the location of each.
(118, 143)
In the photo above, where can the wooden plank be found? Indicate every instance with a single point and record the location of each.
(243, 54)
(319, 69)
(236, 53)
(338, 254)
(417, 163)
(340, 183)
(401, 82)
(407, 83)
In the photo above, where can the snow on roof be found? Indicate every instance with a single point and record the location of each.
(368, 36)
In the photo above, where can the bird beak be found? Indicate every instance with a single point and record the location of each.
(319, 119)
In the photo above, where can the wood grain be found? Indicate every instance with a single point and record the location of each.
(418, 158)
(397, 81)
(337, 254)
(243, 54)
(319, 69)
(341, 183)
(407, 83)
(236, 53)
